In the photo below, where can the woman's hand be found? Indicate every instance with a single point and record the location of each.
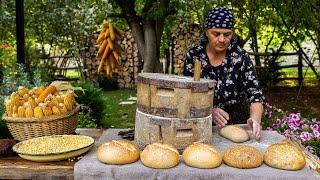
(219, 117)
(256, 128)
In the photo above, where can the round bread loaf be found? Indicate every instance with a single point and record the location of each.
(243, 157)
(284, 156)
(202, 156)
(160, 156)
(118, 152)
(234, 133)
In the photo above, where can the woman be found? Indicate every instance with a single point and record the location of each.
(238, 98)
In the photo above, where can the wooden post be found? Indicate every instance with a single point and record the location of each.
(197, 70)
(20, 31)
(300, 78)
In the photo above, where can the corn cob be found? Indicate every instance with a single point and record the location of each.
(38, 111)
(69, 100)
(39, 90)
(55, 110)
(29, 111)
(26, 97)
(21, 111)
(51, 89)
(47, 111)
(32, 102)
(15, 99)
(62, 108)
(22, 91)
(9, 107)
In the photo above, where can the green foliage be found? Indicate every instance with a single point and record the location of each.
(10, 83)
(86, 120)
(92, 99)
(109, 83)
(270, 73)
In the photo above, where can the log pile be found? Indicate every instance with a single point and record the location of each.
(91, 62)
(130, 60)
(184, 37)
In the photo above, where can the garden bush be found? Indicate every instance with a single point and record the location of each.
(92, 102)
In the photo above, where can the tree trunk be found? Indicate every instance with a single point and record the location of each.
(147, 30)
(20, 32)
(253, 32)
(151, 56)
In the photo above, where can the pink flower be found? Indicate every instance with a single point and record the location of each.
(310, 149)
(295, 117)
(304, 126)
(286, 133)
(5, 46)
(316, 133)
(292, 126)
(305, 136)
(314, 126)
(269, 129)
(275, 126)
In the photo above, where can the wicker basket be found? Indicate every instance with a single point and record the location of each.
(27, 128)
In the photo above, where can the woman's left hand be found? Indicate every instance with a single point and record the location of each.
(256, 128)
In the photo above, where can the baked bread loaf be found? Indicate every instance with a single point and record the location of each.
(202, 156)
(234, 133)
(284, 156)
(118, 152)
(243, 157)
(160, 156)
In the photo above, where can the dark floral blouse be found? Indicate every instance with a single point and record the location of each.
(236, 77)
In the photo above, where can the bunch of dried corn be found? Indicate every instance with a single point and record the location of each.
(109, 51)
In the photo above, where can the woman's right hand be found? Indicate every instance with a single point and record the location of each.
(219, 117)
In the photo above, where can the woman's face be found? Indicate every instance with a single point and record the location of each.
(219, 38)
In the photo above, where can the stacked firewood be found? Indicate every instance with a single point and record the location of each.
(91, 61)
(131, 62)
(184, 37)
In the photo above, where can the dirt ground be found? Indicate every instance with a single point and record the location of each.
(306, 101)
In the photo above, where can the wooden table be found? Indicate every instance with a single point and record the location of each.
(17, 168)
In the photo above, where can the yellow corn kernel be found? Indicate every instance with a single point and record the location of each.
(22, 91)
(29, 111)
(37, 112)
(62, 108)
(21, 111)
(55, 110)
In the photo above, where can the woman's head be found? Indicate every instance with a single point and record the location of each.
(219, 28)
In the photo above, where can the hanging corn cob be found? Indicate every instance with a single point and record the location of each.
(109, 51)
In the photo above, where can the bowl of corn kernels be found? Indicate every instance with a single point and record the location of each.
(53, 148)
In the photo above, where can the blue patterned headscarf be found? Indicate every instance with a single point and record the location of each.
(219, 18)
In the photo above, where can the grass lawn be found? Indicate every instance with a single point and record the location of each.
(119, 116)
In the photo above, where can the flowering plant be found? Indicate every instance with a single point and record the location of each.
(292, 125)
